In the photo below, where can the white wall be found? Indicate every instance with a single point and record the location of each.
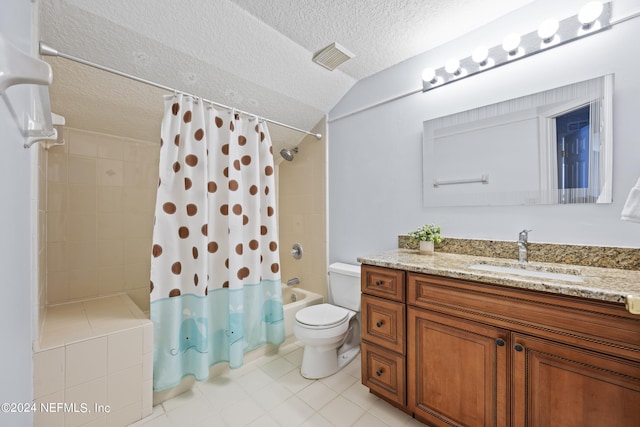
(375, 156)
(16, 381)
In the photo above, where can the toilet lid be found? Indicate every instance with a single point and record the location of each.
(322, 315)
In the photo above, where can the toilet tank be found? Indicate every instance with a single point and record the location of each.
(344, 285)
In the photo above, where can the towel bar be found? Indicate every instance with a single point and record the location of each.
(483, 179)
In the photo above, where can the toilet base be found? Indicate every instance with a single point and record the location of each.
(320, 362)
(345, 357)
(324, 360)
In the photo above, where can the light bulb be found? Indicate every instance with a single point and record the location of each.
(429, 75)
(548, 29)
(453, 66)
(511, 43)
(589, 13)
(480, 55)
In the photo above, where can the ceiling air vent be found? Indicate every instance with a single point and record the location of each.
(332, 56)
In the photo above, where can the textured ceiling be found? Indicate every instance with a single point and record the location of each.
(251, 54)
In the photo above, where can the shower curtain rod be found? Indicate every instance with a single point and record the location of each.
(47, 50)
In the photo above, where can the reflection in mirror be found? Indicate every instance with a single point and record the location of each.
(550, 147)
(575, 155)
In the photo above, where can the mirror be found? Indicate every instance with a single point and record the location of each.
(552, 147)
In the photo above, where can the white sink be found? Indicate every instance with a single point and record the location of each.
(571, 275)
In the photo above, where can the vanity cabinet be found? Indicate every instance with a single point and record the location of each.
(457, 371)
(556, 384)
(383, 333)
(479, 354)
(487, 355)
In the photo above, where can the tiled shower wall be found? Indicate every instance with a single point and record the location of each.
(302, 213)
(100, 207)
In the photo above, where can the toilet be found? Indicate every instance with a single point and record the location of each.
(331, 332)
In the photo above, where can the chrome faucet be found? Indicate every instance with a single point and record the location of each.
(293, 282)
(523, 246)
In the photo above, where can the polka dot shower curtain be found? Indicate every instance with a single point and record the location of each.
(215, 279)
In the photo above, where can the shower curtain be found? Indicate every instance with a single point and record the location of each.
(215, 268)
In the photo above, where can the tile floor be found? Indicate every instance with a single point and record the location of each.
(271, 392)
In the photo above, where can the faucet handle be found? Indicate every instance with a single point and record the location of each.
(524, 234)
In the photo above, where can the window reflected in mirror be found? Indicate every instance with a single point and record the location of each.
(577, 157)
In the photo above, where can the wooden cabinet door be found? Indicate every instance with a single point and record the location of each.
(560, 385)
(383, 323)
(383, 371)
(457, 371)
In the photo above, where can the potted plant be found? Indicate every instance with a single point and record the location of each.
(426, 235)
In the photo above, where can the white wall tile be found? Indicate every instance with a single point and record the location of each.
(125, 350)
(110, 253)
(57, 165)
(85, 361)
(53, 418)
(111, 148)
(83, 284)
(48, 372)
(110, 172)
(81, 227)
(110, 226)
(147, 344)
(81, 198)
(100, 422)
(123, 388)
(57, 197)
(88, 202)
(110, 199)
(82, 144)
(125, 416)
(147, 397)
(90, 393)
(82, 170)
(110, 280)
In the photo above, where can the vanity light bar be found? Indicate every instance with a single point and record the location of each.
(593, 18)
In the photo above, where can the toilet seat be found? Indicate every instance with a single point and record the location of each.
(322, 316)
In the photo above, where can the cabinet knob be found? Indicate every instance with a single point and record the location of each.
(379, 372)
(518, 347)
(500, 342)
(378, 282)
(379, 323)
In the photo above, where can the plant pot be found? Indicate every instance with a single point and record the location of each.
(426, 247)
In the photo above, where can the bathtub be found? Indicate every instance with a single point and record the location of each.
(294, 300)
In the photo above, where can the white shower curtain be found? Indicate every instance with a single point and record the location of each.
(215, 268)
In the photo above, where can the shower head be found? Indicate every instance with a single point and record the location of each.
(288, 154)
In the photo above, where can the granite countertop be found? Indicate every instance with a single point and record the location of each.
(605, 284)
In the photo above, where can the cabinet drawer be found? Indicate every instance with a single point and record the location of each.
(383, 282)
(384, 372)
(383, 323)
